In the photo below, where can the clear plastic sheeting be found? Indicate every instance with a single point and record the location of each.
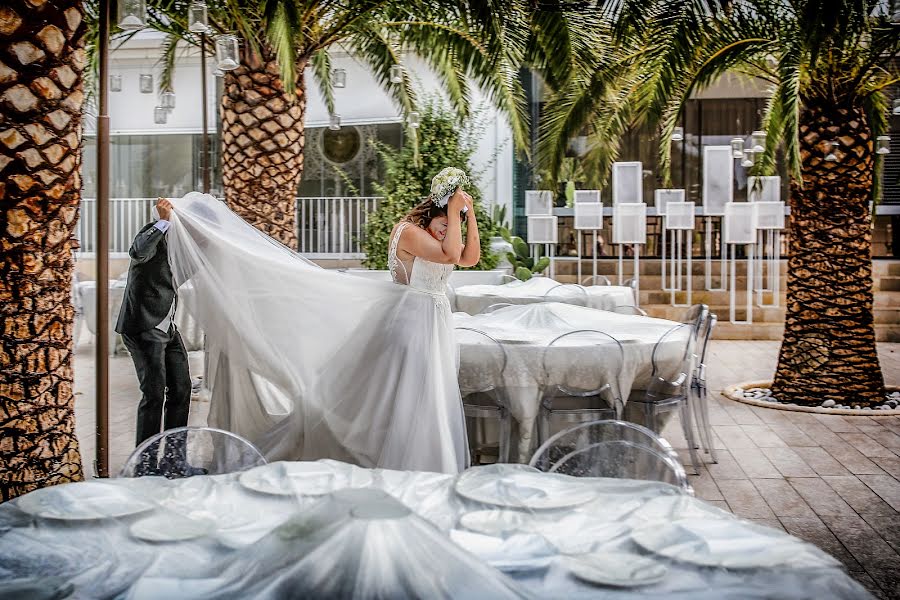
(334, 530)
(308, 363)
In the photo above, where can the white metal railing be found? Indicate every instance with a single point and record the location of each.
(333, 227)
(327, 227)
(126, 217)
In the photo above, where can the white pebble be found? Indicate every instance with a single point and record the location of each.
(828, 404)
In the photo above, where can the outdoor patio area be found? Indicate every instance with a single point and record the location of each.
(831, 480)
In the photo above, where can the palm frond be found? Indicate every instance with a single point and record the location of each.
(321, 69)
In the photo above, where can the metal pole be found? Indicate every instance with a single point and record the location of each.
(101, 385)
(204, 158)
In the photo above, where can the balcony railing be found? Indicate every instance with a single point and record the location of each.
(332, 227)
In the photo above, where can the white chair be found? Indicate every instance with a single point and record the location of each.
(615, 449)
(582, 388)
(483, 394)
(188, 451)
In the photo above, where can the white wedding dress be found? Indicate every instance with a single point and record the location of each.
(310, 363)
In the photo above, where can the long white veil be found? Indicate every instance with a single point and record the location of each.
(306, 362)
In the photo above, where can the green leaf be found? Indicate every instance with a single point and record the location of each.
(528, 262)
(523, 274)
(570, 193)
(512, 258)
(520, 247)
(541, 265)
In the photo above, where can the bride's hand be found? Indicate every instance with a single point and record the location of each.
(469, 204)
(457, 201)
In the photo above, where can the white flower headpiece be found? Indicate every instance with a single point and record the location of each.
(445, 183)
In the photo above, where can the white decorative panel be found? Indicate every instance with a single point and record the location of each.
(588, 216)
(538, 203)
(627, 183)
(718, 179)
(768, 189)
(769, 215)
(680, 215)
(587, 196)
(740, 227)
(542, 230)
(664, 197)
(630, 223)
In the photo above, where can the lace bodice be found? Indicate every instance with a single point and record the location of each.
(418, 274)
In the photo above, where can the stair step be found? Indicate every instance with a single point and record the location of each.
(889, 283)
(761, 315)
(774, 331)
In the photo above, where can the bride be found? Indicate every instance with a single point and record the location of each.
(310, 363)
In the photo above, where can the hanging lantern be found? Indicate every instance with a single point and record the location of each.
(132, 14)
(197, 20)
(339, 78)
(335, 123)
(678, 134)
(160, 115)
(758, 141)
(896, 110)
(748, 159)
(227, 52)
(218, 72)
(167, 100)
(115, 83)
(146, 83)
(413, 120)
(831, 156)
(883, 145)
(396, 74)
(737, 148)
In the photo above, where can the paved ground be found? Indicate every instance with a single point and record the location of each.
(832, 480)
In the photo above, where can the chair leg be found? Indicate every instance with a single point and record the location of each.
(689, 435)
(543, 425)
(505, 437)
(704, 413)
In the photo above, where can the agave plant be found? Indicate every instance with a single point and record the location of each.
(524, 265)
(828, 65)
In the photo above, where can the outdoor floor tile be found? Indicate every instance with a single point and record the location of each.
(726, 468)
(889, 464)
(733, 436)
(820, 460)
(782, 498)
(836, 423)
(859, 495)
(866, 546)
(755, 464)
(866, 445)
(744, 500)
(820, 497)
(788, 462)
(853, 459)
(705, 486)
(885, 486)
(791, 434)
(814, 531)
(763, 436)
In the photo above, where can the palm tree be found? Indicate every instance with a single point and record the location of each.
(264, 102)
(41, 63)
(828, 64)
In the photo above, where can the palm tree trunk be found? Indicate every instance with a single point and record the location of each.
(41, 63)
(262, 147)
(828, 352)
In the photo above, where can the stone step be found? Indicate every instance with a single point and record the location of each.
(775, 331)
(761, 315)
(888, 283)
(648, 267)
(889, 267)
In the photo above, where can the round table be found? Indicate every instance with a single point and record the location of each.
(526, 331)
(394, 534)
(473, 299)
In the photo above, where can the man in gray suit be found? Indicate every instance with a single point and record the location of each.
(146, 322)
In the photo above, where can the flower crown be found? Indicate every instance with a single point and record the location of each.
(445, 183)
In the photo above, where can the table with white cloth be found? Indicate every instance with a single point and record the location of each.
(189, 329)
(473, 299)
(331, 530)
(525, 333)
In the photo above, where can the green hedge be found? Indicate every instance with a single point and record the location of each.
(408, 179)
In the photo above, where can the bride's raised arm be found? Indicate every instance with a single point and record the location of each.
(471, 253)
(419, 242)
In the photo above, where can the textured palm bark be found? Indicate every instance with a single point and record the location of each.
(262, 147)
(828, 351)
(41, 97)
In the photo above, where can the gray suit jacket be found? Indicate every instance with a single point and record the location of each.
(151, 289)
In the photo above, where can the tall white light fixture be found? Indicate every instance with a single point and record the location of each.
(132, 15)
(227, 52)
(197, 18)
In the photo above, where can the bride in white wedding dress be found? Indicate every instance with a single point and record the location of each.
(310, 363)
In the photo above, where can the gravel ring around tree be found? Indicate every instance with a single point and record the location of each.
(757, 393)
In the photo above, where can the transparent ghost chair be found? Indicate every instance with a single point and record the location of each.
(609, 448)
(494, 307)
(698, 387)
(668, 390)
(188, 451)
(596, 280)
(627, 309)
(568, 293)
(696, 316)
(504, 279)
(483, 393)
(580, 379)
